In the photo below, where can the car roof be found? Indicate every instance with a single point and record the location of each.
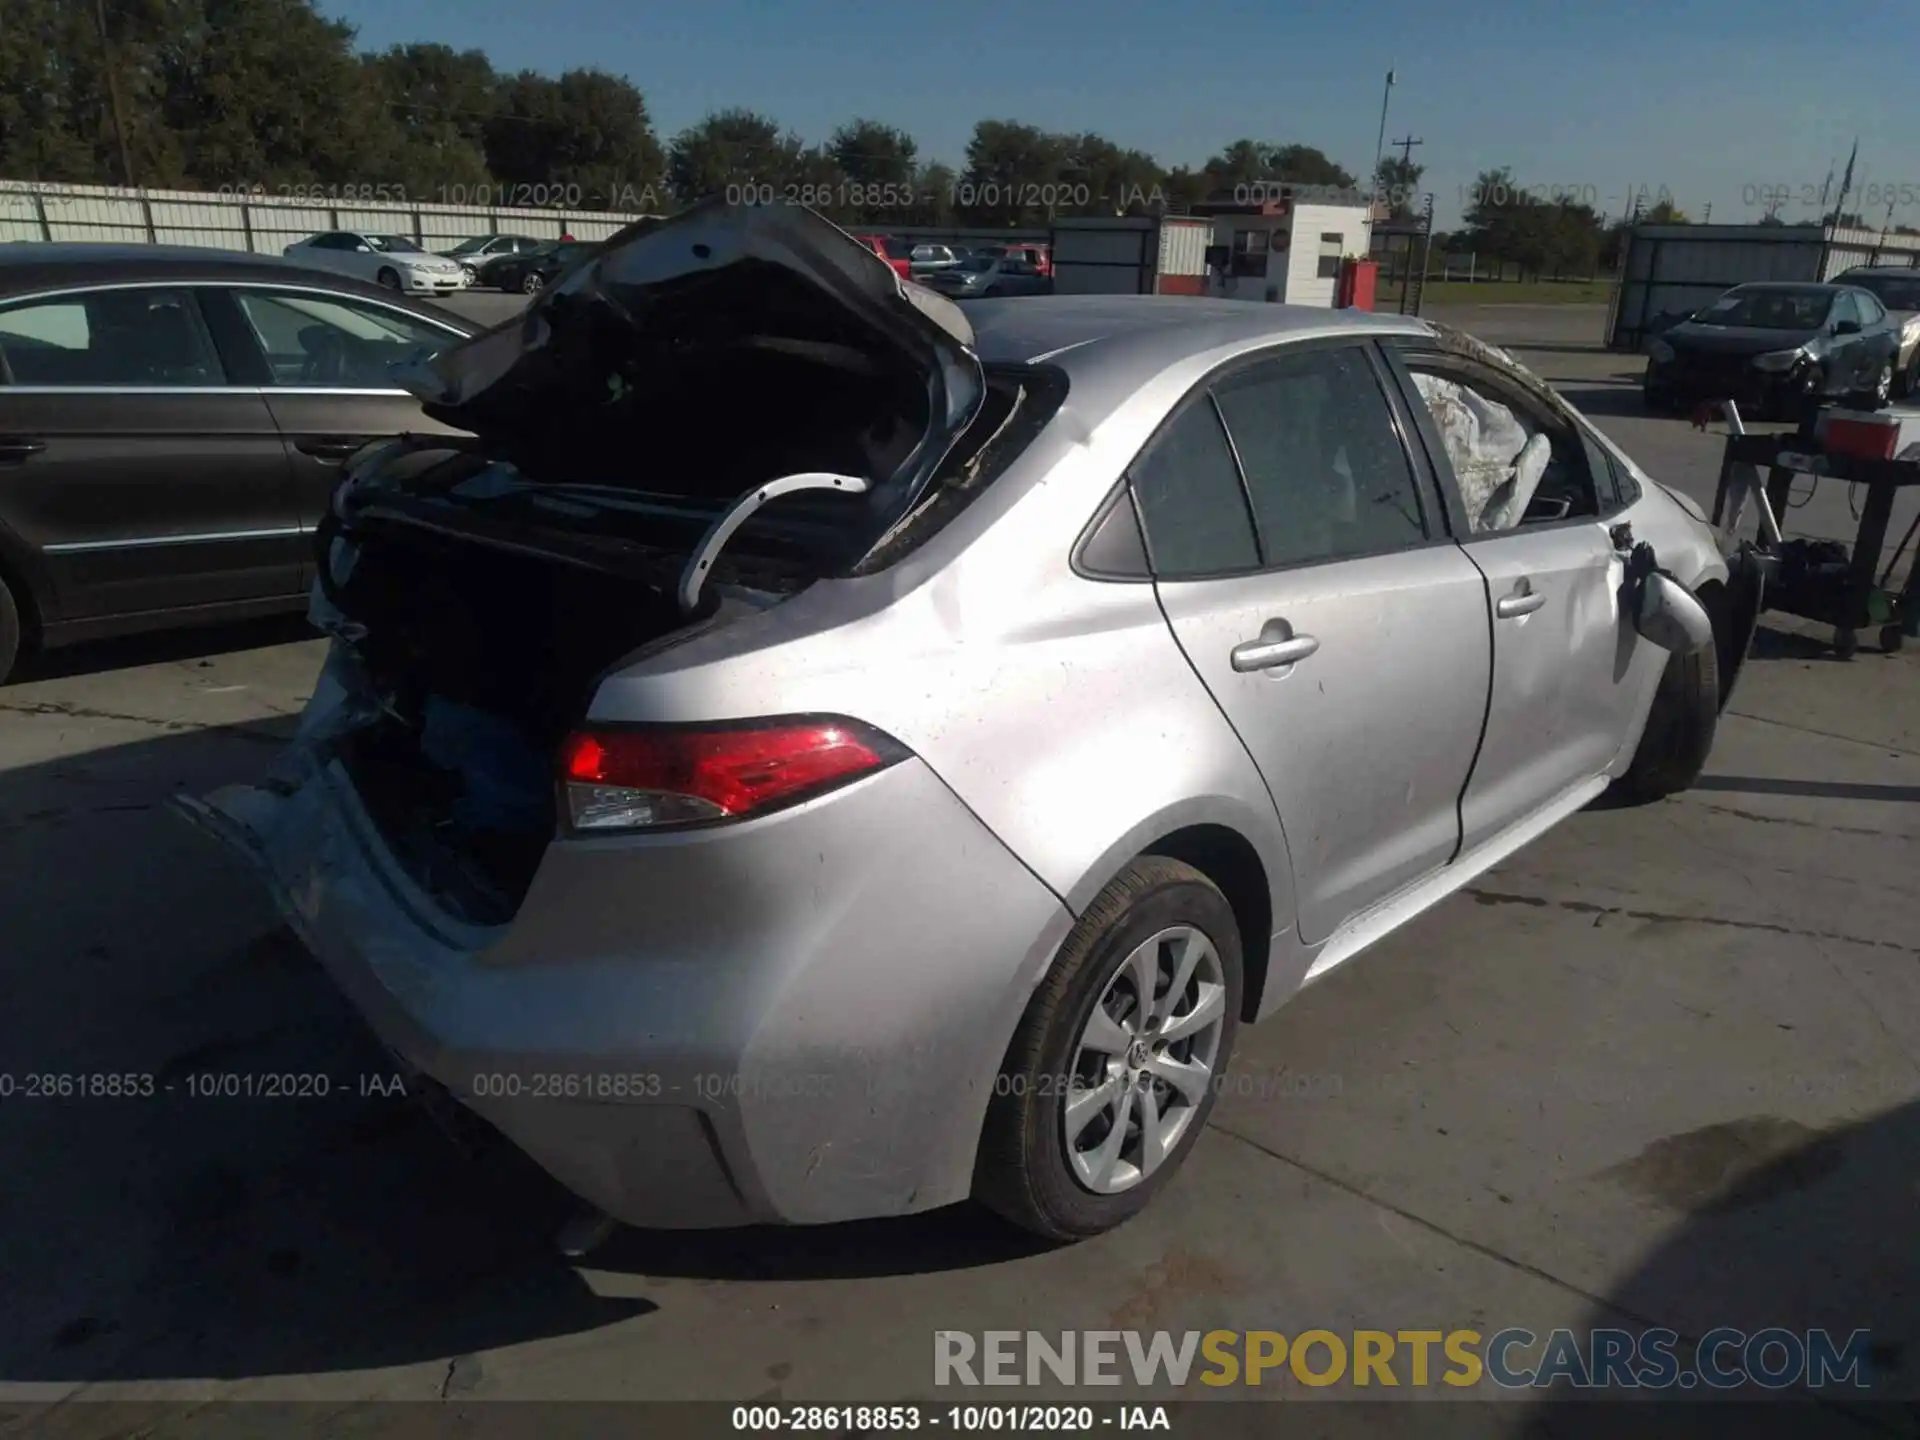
(1906, 272)
(29, 266)
(1159, 329)
(1111, 346)
(1797, 285)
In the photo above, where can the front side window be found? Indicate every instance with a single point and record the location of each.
(1513, 464)
(1324, 464)
(322, 340)
(1188, 490)
(134, 338)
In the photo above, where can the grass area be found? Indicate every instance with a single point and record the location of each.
(1504, 292)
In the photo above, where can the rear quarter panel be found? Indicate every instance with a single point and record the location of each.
(1057, 708)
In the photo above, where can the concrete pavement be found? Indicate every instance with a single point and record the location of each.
(1661, 1068)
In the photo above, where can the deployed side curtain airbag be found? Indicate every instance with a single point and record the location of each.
(1498, 457)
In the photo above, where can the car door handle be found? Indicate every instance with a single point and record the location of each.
(1271, 654)
(330, 448)
(1521, 602)
(15, 448)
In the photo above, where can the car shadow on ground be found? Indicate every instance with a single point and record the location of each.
(158, 647)
(1776, 1225)
(269, 1201)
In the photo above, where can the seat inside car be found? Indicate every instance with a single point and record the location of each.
(145, 339)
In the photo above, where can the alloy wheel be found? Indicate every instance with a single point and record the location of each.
(1144, 1060)
(1883, 384)
(530, 285)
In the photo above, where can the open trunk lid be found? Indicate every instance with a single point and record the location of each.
(701, 356)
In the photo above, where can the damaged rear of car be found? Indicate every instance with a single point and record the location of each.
(677, 439)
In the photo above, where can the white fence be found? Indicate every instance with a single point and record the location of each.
(266, 224)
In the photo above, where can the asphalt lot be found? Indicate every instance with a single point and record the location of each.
(1661, 1068)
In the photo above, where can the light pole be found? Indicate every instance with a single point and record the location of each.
(1380, 144)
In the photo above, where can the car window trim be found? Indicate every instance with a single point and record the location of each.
(225, 386)
(233, 294)
(1200, 394)
(1424, 497)
(1513, 396)
(1428, 490)
(293, 287)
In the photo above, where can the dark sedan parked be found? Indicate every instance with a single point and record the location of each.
(172, 422)
(529, 273)
(1775, 347)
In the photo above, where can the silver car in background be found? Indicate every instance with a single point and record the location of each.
(819, 754)
(982, 276)
(1899, 290)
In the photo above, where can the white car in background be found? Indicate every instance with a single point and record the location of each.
(390, 260)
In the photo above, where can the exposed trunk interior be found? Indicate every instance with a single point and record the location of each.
(481, 660)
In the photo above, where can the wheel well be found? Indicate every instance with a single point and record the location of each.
(1728, 629)
(1228, 859)
(24, 600)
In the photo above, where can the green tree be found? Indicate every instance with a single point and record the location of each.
(732, 150)
(586, 133)
(1012, 172)
(1104, 179)
(1398, 180)
(881, 167)
(437, 102)
(269, 92)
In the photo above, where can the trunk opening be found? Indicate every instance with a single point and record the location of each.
(483, 606)
(479, 661)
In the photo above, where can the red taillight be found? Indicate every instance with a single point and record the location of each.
(618, 778)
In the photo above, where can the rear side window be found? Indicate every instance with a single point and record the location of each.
(1325, 468)
(1188, 490)
(141, 338)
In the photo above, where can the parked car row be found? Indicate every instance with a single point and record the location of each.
(968, 271)
(1300, 619)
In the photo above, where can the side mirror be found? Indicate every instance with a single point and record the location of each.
(364, 249)
(1667, 614)
(1846, 327)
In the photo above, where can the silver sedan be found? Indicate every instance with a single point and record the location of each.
(811, 758)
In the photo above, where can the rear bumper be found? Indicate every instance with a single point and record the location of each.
(797, 1019)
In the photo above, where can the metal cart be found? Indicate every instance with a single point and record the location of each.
(1845, 589)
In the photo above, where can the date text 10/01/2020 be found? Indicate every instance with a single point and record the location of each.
(517, 196)
(868, 1419)
(206, 1085)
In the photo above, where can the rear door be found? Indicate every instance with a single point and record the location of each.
(1302, 561)
(1564, 689)
(324, 361)
(144, 477)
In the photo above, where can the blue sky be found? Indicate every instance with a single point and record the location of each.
(1714, 100)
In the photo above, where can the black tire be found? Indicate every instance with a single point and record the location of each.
(1846, 642)
(1680, 728)
(1904, 383)
(388, 277)
(1877, 397)
(1022, 1170)
(9, 632)
(1891, 639)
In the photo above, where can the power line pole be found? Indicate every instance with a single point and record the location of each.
(1405, 147)
(113, 94)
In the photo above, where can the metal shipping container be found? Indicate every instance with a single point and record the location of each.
(1131, 255)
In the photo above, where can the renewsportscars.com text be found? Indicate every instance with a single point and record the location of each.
(1512, 1359)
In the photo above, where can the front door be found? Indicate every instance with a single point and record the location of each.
(143, 477)
(1304, 568)
(1536, 524)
